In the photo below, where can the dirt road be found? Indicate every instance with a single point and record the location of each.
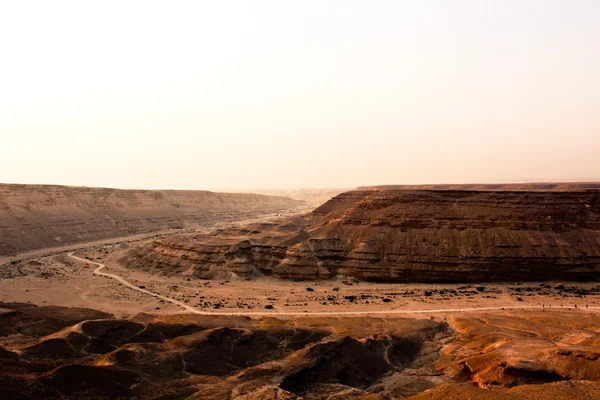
(100, 267)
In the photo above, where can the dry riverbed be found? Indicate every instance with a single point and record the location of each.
(61, 280)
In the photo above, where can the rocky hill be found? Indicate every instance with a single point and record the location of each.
(75, 353)
(407, 235)
(39, 216)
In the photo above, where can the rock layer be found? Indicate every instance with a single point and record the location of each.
(407, 235)
(39, 216)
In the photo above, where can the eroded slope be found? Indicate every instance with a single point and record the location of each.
(208, 357)
(406, 235)
(517, 355)
(39, 216)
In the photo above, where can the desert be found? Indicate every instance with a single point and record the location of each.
(43, 216)
(204, 313)
(300, 200)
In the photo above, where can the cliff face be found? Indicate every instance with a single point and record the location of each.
(406, 235)
(38, 216)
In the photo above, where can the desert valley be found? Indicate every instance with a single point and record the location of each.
(385, 292)
(300, 200)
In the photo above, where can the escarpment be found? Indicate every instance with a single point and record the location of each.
(406, 235)
(39, 216)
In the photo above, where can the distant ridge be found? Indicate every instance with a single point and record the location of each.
(39, 216)
(533, 186)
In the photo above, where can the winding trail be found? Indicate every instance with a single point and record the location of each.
(98, 271)
(100, 267)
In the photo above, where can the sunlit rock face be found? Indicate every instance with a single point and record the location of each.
(398, 234)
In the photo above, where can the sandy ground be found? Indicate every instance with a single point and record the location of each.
(62, 280)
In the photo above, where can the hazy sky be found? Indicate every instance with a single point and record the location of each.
(282, 94)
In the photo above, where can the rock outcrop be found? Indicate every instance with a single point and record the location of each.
(502, 350)
(497, 355)
(404, 234)
(521, 355)
(213, 357)
(39, 216)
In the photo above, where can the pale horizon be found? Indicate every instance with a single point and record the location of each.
(283, 95)
(263, 190)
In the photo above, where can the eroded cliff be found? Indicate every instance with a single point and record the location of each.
(406, 235)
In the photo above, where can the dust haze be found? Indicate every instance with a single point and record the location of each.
(300, 200)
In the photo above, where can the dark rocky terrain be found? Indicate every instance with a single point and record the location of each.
(65, 353)
(40, 216)
(407, 234)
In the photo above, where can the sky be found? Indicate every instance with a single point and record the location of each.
(288, 94)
